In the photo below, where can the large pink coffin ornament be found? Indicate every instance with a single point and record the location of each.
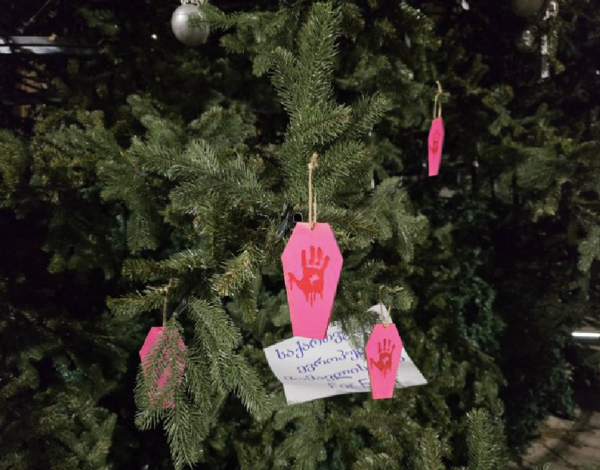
(383, 358)
(435, 144)
(312, 263)
(161, 375)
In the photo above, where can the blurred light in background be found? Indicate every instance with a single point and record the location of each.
(585, 334)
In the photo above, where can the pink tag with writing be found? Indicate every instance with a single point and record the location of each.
(312, 263)
(160, 374)
(383, 355)
(435, 144)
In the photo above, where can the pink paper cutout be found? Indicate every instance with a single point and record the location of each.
(435, 144)
(383, 351)
(146, 351)
(312, 263)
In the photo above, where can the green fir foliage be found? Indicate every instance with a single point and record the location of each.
(223, 204)
(192, 165)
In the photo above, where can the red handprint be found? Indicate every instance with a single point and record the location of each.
(384, 363)
(435, 144)
(313, 273)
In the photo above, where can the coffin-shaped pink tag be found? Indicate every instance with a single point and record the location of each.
(312, 263)
(383, 355)
(435, 144)
(161, 375)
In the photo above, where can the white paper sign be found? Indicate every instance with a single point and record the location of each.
(317, 368)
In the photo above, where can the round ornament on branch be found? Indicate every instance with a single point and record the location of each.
(552, 9)
(183, 31)
(527, 8)
(527, 40)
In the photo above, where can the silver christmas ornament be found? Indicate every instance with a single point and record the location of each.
(527, 8)
(526, 42)
(189, 35)
(551, 9)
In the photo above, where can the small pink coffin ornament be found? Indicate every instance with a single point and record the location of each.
(435, 144)
(312, 263)
(383, 351)
(162, 375)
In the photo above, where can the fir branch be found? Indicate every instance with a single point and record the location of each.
(370, 460)
(485, 442)
(136, 304)
(181, 263)
(249, 389)
(214, 329)
(239, 271)
(589, 249)
(186, 448)
(429, 456)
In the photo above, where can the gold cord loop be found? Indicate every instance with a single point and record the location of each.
(381, 316)
(165, 291)
(312, 202)
(437, 106)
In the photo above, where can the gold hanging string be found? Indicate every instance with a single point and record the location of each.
(312, 203)
(395, 289)
(165, 290)
(314, 212)
(437, 112)
(381, 317)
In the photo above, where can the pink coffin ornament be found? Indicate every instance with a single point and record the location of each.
(312, 263)
(435, 144)
(383, 351)
(147, 349)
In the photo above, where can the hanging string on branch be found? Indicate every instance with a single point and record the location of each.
(312, 263)
(384, 313)
(436, 135)
(165, 290)
(312, 203)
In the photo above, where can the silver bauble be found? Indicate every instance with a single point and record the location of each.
(189, 35)
(526, 42)
(552, 9)
(527, 8)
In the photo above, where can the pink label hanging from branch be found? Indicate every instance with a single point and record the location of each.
(435, 141)
(157, 359)
(154, 366)
(312, 263)
(383, 352)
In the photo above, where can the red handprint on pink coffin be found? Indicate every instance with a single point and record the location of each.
(435, 143)
(157, 360)
(312, 263)
(383, 352)
(313, 275)
(384, 362)
(434, 146)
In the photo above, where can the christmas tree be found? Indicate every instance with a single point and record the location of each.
(61, 351)
(196, 171)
